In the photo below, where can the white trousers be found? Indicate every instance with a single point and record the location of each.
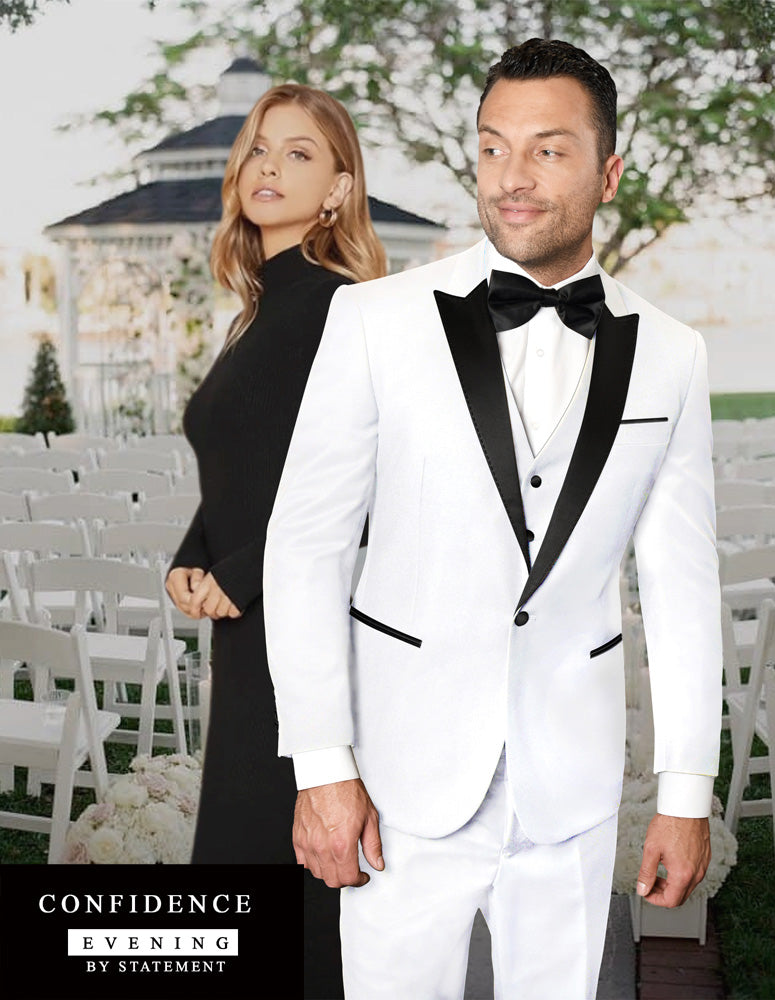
(405, 935)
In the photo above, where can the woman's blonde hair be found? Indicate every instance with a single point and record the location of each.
(349, 247)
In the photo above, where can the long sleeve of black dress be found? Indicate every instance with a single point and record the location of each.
(240, 420)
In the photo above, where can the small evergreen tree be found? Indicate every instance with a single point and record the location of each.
(45, 406)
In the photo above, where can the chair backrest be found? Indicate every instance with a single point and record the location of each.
(761, 469)
(25, 442)
(149, 484)
(747, 565)
(160, 442)
(64, 653)
(744, 493)
(746, 522)
(37, 480)
(58, 459)
(178, 508)
(79, 442)
(13, 507)
(71, 506)
(140, 540)
(45, 538)
(143, 461)
(110, 578)
(760, 446)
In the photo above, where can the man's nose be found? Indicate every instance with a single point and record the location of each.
(517, 175)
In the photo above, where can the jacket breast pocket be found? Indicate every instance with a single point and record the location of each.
(644, 431)
(606, 646)
(359, 616)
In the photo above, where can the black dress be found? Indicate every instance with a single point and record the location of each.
(239, 422)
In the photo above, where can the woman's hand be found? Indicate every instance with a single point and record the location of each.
(208, 600)
(181, 583)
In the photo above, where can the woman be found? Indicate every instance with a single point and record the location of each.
(295, 226)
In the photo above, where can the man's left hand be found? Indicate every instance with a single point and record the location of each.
(682, 845)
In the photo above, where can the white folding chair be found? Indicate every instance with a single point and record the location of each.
(79, 442)
(747, 576)
(24, 442)
(750, 715)
(142, 460)
(37, 480)
(148, 542)
(13, 507)
(117, 658)
(135, 483)
(178, 508)
(55, 742)
(45, 538)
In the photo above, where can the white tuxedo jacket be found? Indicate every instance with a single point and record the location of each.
(488, 609)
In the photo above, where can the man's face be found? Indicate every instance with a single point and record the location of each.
(539, 177)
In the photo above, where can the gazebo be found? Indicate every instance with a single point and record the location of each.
(134, 270)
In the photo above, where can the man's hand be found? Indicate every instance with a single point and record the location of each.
(208, 600)
(683, 847)
(328, 823)
(181, 583)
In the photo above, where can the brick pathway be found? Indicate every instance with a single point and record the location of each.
(680, 968)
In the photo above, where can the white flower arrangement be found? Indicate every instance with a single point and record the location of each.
(147, 818)
(639, 805)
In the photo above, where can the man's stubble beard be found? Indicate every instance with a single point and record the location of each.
(554, 248)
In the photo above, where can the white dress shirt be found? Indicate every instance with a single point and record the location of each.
(543, 360)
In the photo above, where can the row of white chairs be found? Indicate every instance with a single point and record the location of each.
(105, 507)
(90, 460)
(150, 484)
(79, 442)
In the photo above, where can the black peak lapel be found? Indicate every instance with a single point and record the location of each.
(611, 368)
(474, 348)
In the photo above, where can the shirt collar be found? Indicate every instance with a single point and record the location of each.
(494, 261)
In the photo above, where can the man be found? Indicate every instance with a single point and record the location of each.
(508, 417)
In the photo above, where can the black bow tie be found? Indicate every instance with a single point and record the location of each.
(513, 300)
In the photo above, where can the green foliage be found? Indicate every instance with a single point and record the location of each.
(742, 405)
(45, 406)
(8, 424)
(696, 105)
(20, 13)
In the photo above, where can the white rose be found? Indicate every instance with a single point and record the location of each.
(127, 792)
(105, 846)
(159, 818)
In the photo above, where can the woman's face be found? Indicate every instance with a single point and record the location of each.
(289, 177)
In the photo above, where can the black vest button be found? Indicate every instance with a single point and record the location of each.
(530, 535)
(535, 481)
(522, 618)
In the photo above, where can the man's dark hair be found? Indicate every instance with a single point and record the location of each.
(541, 58)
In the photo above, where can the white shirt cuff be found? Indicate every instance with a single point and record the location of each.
(684, 794)
(322, 767)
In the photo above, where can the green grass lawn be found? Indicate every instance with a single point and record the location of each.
(744, 909)
(741, 405)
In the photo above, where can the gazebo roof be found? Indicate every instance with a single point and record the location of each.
(193, 201)
(217, 133)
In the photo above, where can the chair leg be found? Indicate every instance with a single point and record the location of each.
(64, 781)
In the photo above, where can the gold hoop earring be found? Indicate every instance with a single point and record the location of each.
(327, 218)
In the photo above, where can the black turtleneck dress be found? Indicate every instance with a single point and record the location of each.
(239, 422)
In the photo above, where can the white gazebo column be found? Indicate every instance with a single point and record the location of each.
(67, 295)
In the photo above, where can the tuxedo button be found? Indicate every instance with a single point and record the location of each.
(522, 618)
(530, 535)
(535, 481)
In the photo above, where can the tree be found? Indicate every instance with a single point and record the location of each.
(696, 109)
(18, 13)
(45, 406)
